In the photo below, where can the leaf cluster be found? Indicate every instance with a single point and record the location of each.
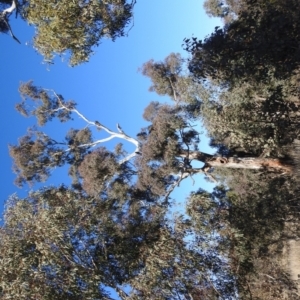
(75, 27)
(261, 42)
(58, 244)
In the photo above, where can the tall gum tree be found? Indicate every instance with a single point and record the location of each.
(257, 73)
(215, 107)
(162, 157)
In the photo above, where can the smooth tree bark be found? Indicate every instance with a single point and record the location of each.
(252, 163)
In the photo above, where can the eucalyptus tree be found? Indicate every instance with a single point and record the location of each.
(260, 44)
(262, 216)
(161, 159)
(37, 153)
(244, 120)
(60, 244)
(259, 121)
(251, 118)
(71, 27)
(127, 195)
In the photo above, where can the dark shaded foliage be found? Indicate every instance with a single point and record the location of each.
(262, 42)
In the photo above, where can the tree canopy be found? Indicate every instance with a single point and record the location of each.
(113, 227)
(63, 245)
(74, 28)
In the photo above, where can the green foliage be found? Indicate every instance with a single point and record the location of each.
(227, 9)
(215, 8)
(185, 261)
(262, 42)
(252, 120)
(112, 228)
(252, 65)
(57, 244)
(176, 269)
(161, 147)
(264, 211)
(251, 68)
(75, 27)
(36, 154)
(47, 106)
(170, 78)
(162, 143)
(164, 75)
(99, 166)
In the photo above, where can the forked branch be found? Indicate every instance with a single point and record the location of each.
(112, 134)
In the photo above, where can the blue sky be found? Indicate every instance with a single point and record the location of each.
(108, 88)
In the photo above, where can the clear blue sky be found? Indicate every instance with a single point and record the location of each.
(108, 88)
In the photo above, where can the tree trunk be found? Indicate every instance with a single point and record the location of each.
(254, 163)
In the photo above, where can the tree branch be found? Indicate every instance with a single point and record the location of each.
(9, 10)
(183, 175)
(121, 134)
(4, 18)
(174, 91)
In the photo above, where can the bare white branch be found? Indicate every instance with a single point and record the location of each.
(112, 134)
(119, 128)
(10, 9)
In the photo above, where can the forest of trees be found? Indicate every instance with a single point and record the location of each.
(111, 227)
